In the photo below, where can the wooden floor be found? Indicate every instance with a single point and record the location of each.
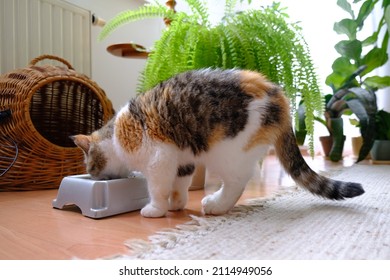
(31, 229)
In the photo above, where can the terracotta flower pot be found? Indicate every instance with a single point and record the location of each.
(357, 143)
(326, 143)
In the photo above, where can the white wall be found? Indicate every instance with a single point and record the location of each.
(118, 76)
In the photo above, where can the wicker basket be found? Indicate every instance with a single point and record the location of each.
(40, 107)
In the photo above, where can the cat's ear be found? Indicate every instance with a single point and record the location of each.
(82, 141)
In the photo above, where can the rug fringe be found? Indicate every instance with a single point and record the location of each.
(170, 237)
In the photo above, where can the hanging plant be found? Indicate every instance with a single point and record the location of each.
(261, 40)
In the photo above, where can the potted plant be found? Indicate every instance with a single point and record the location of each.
(334, 125)
(381, 148)
(351, 99)
(261, 40)
(353, 90)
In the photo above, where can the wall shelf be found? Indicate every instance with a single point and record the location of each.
(128, 50)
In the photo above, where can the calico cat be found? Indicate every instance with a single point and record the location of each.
(224, 119)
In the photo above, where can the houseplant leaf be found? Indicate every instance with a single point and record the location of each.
(349, 48)
(346, 7)
(366, 124)
(335, 80)
(374, 59)
(343, 65)
(351, 80)
(346, 26)
(372, 39)
(377, 82)
(343, 69)
(364, 12)
(336, 151)
(387, 17)
(366, 96)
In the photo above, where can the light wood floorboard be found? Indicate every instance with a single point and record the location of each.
(31, 229)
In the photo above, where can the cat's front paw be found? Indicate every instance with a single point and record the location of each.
(212, 206)
(149, 211)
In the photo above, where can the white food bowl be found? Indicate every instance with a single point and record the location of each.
(102, 198)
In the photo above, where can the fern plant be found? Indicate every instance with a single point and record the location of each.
(261, 40)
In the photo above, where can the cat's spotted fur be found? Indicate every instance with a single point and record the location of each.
(224, 119)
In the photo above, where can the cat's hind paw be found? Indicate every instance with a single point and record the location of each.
(177, 201)
(212, 206)
(176, 206)
(149, 211)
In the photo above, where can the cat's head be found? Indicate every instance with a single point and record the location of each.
(100, 159)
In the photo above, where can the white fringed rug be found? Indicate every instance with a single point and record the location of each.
(295, 225)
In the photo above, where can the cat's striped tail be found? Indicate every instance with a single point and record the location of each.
(293, 162)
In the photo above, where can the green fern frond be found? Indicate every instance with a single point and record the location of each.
(171, 54)
(128, 16)
(204, 53)
(231, 47)
(199, 9)
(229, 8)
(150, 75)
(222, 51)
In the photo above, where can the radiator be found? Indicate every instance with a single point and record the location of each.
(30, 28)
